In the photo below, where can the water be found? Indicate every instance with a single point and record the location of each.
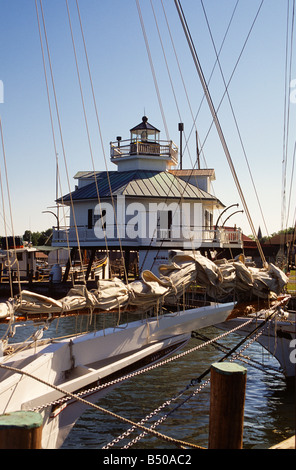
(269, 406)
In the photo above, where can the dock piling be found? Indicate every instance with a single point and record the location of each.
(21, 430)
(227, 399)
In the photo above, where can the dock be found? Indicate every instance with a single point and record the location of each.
(286, 444)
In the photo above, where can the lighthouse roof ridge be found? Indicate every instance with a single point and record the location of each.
(144, 125)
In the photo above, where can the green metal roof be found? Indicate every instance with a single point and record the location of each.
(137, 183)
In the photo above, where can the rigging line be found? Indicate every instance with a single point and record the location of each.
(171, 82)
(62, 143)
(291, 185)
(193, 383)
(181, 199)
(10, 210)
(169, 74)
(210, 77)
(180, 393)
(53, 135)
(211, 74)
(213, 68)
(217, 124)
(173, 90)
(152, 69)
(238, 356)
(183, 81)
(52, 128)
(85, 118)
(97, 407)
(165, 416)
(153, 72)
(4, 220)
(6, 236)
(186, 182)
(232, 74)
(288, 120)
(101, 137)
(182, 219)
(260, 327)
(234, 117)
(176, 102)
(181, 75)
(284, 158)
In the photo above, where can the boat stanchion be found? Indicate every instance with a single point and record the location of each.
(21, 430)
(227, 400)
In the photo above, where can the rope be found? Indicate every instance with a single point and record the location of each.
(99, 408)
(192, 383)
(61, 137)
(163, 418)
(101, 140)
(217, 123)
(284, 224)
(10, 210)
(84, 113)
(59, 184)
(233, 114)
(5, 229)
(69, 395)
(152, 69)
(186, 147)
(139, 372)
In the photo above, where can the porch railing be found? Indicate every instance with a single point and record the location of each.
(215, 237)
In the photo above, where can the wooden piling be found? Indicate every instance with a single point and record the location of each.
(21, 430)
(227, 399)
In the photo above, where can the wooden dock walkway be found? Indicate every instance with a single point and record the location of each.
(287, 444)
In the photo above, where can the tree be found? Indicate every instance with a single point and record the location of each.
(38, 238)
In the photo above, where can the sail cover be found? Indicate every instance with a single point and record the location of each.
(220, 279)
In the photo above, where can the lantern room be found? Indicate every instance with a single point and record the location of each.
(144, 150)
(145, 132)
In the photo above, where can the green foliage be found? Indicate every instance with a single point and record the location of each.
(280, 232)
(38, 238)
(266, 238)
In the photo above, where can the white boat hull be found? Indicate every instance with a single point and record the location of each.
(89, 359)
(277, 338)
(59, 422)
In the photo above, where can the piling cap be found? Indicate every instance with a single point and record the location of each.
(21, 419)
(228, 368)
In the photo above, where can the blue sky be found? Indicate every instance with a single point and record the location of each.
(124, 90)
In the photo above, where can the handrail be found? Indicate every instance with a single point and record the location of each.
(206, 235)
(160, 148)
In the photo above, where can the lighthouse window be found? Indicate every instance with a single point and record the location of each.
(208, 219)
(93, 218)
(102, 217)
(90, 218)
(164, 223)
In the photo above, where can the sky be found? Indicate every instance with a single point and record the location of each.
(257, 114)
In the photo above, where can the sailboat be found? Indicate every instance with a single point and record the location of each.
(38, 374)
(49, 374)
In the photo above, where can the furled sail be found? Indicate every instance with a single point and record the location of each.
(220, 279)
